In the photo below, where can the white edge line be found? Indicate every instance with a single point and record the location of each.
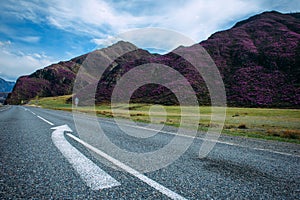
(217, 141)
(45, 120)
(278, 152)
(130, 170)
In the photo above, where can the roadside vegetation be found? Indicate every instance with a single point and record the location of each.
(272, 124)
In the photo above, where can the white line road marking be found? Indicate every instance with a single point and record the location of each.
(217, 141)
(254, 148)
(26, 109)
(93, 176)
(45, 120)
(5, 108)
(277, 152)
(130, 170)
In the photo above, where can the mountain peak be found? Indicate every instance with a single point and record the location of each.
(124, 45)
(268, 15)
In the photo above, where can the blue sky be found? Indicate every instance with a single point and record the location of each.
(34, 34)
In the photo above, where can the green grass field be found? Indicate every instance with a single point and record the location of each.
(273, 124)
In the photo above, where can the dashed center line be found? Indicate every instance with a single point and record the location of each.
(32, 112)
(48, 122)
(45, 120)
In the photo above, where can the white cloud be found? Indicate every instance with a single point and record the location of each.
(29, 10)
(109, 40)
(29, 39)
(100, 18)
(196, 19)
(5, 43)
(90, 17)
(154, 39)
(157, 38)
(13, 65)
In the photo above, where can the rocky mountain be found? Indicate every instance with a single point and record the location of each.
(258, 58)
(54, 80)
(6, 86)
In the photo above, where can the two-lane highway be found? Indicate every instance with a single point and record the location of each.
(42, 156)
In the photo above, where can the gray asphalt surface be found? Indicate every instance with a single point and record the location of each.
(31, 167)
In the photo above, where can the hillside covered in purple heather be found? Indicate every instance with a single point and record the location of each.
(258, 58)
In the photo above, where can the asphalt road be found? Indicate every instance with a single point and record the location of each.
(39, 161)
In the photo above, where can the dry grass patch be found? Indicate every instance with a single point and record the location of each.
(277, 124)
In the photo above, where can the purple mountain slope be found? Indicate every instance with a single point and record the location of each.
(259, 61)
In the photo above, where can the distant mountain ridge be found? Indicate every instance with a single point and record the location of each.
(259, 61)
(6, 86)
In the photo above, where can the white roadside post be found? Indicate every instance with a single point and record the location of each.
(76, 102)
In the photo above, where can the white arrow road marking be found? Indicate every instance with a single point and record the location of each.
(93, 176)
(130, 170)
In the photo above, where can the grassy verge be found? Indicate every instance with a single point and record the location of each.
(271, 124)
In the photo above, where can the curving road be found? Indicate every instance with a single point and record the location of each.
(42, 156)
